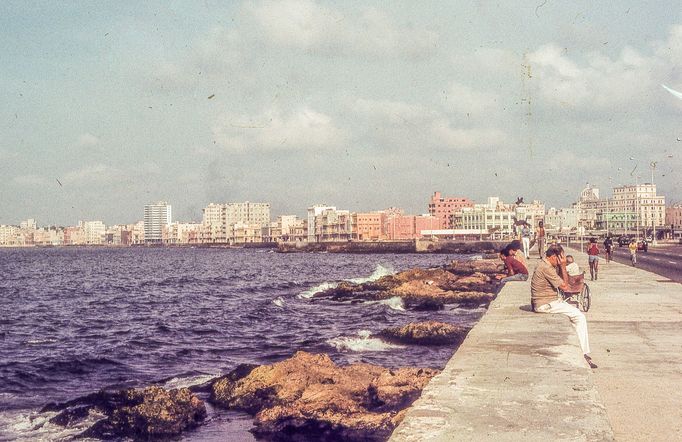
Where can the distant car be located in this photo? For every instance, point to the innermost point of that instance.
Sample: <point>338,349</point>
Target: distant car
<point>643,245</point>
<point>624,240</point>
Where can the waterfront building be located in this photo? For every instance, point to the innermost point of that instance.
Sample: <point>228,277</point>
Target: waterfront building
<point>242,233</point>
<point>368,226</point>
<point>445,208</point>
<point>156,217</point>
<point>493,217</point>
<point>332,225</point>
<point>562,220</point>
<point>407,227</point>
<point>93,232</point>
<point>643,200</point>
<point>182,233</point>
<point>673,219</point>
<point>10,236</point>
<point>313,212</point>
<point>532,213</point>
<point>48,236</point>
<point>283,229</point>
<point>218,220</point>
<point>74,236</point>
<point>29,224</point>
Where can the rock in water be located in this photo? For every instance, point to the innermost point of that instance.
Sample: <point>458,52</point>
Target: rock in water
<point>308,394</point>
<point>426,333</point>
<point>152,412</point>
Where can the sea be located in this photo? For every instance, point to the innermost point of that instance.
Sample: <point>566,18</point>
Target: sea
<point>74,321</point>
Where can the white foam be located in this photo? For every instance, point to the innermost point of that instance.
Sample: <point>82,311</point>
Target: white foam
<point>317,289</point>
<point>378,272</point>
<point>23,425</point>
<point>364,342</point>
<point>278,301</point>
<point>394,303</point>
<point>40,341</point>
<point>189,381</point>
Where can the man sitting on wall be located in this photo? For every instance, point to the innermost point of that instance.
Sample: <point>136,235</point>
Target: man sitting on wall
<point>545,299</point>
<point>516,271</point>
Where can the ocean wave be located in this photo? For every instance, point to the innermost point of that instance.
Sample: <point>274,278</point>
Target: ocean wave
<point>317,289</point>
<point>379,272</point>
<point>23,425</point>
<point>394,303</point>
<point>189,381</point>
<point>40,341</point>
<point>363,342</point>
<point>279,301</point>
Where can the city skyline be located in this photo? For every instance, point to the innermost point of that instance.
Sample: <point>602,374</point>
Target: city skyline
<point>299,102</point>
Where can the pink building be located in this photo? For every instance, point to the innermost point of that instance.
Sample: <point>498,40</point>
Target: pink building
<point>444,209</point>
<point>409,226</point>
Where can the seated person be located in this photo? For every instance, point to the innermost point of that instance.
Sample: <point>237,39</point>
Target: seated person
<point>516,271</point>
<point>515,248</point>
<point>571,266</point>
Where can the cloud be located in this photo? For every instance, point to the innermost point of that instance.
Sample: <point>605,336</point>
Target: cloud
<point>299,129</point>
<point>464,99</point>
<point>395,124</point>
<point>87,140</point>
<point>309,26</point>
<point>30,180</point>
<point>92,174</point>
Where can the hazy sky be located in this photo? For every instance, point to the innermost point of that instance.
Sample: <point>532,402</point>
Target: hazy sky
<point>362,105</point>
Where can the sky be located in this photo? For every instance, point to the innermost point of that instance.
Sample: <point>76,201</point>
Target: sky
<point>105,107</point>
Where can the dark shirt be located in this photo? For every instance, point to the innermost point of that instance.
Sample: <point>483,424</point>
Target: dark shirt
<point>516,266</point>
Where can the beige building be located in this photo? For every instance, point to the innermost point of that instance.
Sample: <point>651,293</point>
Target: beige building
<point>93,231</point>
<point>642,200</point>
<point>219,219</point>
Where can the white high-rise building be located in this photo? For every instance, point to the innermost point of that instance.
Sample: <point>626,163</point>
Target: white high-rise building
<point>94,231</point>
<point>156,217</point>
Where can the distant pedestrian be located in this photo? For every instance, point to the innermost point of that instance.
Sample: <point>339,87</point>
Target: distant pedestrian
<point>633,252</point>
<point>608,248</point>
<point>525,240</point>
<point>593,258</point>
<point>540,238</point>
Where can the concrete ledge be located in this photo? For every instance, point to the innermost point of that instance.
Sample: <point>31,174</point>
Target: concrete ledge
<point>518,375</point>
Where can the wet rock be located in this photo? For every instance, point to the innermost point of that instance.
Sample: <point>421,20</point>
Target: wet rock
<point>426,333</point>
<point>424,305</point>
<point>487,266</point>
<point>309,394</point>
<point>151,412</point>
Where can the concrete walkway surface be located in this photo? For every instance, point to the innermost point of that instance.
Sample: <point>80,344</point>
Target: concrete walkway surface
<point>521,375</point>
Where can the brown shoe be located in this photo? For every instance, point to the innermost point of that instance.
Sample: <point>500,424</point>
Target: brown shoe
<point>589,362</point>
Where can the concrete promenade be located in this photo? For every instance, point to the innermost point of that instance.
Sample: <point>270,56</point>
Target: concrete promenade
<point>521,375</point>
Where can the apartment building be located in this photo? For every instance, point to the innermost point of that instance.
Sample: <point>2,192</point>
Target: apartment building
<point>156,217</point>
<point>445,208</point>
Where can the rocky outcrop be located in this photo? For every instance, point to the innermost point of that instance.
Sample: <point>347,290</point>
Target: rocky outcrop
<point>486,266</point>
<point>463,282</point>
<point>152,412</point>
<point>308,394</point>
<point>426,333</point>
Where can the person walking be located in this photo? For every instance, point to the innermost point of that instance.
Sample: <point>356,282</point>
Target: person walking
<point>544,298</point>
<point>540,238</point>
<point>593,258</point>
<point>633,252</point>
<point>525,240</point>
<point>608,248</point>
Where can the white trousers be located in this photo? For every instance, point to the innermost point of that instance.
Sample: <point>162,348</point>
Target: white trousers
<point>576,316</point>
<point>526,246</point>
